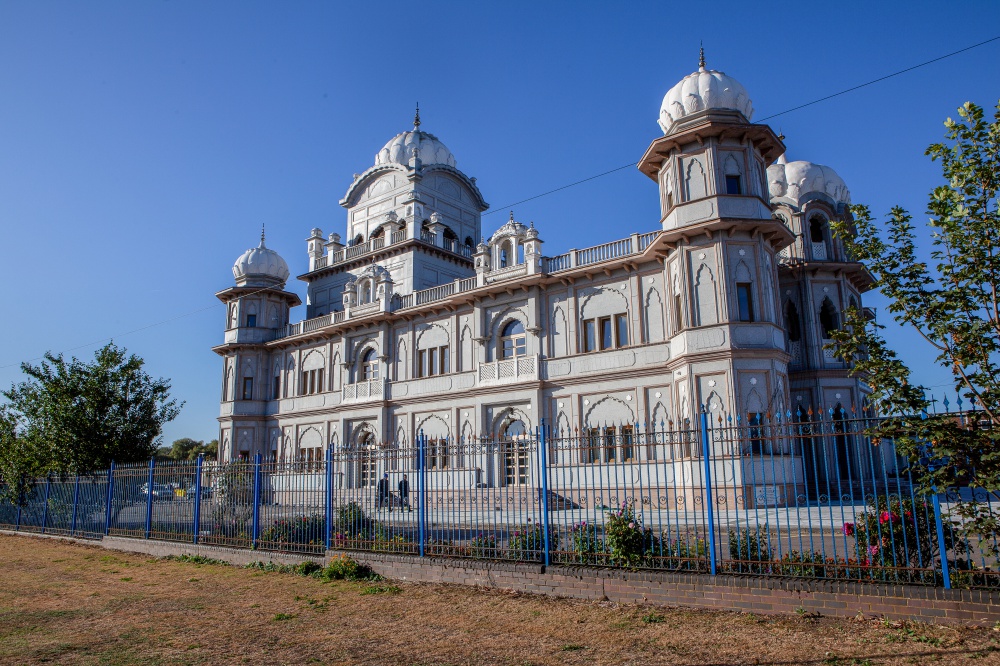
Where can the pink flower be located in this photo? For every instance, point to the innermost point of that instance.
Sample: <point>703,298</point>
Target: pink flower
<point>885,517</point>
<point>908,515</point>
<point>872,551</point>
<point>849,529</point>
<point>631,526</point>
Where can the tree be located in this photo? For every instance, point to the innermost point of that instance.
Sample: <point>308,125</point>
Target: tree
<point>954,306</point>
<point>73,417</point>
<point>188,449</point>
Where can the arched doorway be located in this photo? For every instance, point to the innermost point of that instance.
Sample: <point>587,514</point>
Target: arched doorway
<point>514,450</point>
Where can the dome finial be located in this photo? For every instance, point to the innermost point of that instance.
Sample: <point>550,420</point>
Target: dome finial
<point>781,135</point>
<point>511,216</point>
<point>701,55</point>
<point>262,234</point>
<point>416,118</point>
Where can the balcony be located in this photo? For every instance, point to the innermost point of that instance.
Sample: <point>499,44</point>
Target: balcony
<point>509,370</point>
<point>250,336</point>
<point>819,251</point>
<point>372,390</point>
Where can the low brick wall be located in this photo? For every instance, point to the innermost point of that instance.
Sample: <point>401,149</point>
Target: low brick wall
<point>733,593</point>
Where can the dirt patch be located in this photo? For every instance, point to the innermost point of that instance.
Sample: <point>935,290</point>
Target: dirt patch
<point>67,603</point>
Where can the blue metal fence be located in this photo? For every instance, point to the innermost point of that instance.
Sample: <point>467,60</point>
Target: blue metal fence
<point>807,495</point>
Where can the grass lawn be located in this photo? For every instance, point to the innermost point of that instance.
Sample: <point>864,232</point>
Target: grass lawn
<point>71,604</point>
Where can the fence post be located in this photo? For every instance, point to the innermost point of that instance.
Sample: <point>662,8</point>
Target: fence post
<point>543,462</point>
<point>20,503</point>
<point>329,496</point>
<point>76,505</point>
<point>709,501</point>
<point>421,494</point>
<point>255,528</point>
<point>110,497</point>
<point>149,499</point>
<point>196,527</point>
<point>936,504</point>
<point>45,507</point>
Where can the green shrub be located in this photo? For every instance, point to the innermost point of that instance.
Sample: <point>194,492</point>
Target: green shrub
<point>587,547</point>
<point>484,546</point>
<point>748,549</point>
<point>628,542</point>
<point>342,567</point>
<point>303,531</point>
<point>528,541</point>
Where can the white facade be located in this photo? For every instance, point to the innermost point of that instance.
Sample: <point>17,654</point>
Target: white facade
<point>420,323</point>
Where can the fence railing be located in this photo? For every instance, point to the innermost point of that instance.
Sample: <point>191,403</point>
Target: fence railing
<point>799,496</point>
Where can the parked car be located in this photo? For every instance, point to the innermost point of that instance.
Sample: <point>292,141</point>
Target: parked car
<point>161,492</point>
<point>206,492</point>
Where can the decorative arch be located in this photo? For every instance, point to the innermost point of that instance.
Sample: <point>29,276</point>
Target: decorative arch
<point>654,315</point>
<point>509,415</point>
<point>313,360</point>
<point>560,332</point>
<point>465,343</point>
<point>694,180</point>
<point>603,302</point>
<point>704,288</point>
<point>433,335</point>
<point>609,411</point>
<point>829,319</point>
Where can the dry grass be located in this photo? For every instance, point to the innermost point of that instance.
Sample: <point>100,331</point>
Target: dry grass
<point>66,603</point>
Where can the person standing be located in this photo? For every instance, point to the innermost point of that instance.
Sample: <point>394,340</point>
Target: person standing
<point>382,493</point>
<point>404,494</point>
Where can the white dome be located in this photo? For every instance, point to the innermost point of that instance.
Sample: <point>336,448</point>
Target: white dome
<point>260,262</point>
<point>795,180</point>
<point>705,89</point>
<point>400,148</point>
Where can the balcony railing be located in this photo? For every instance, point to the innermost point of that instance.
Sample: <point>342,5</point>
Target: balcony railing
<point>364,391</point>
<point>509,370</point>
<point>635,244</point>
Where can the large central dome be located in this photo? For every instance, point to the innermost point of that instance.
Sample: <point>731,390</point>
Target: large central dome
<point>704,89</point>
<point>400,149</point>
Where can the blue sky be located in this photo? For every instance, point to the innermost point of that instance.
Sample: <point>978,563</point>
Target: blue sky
<point>142,144</point>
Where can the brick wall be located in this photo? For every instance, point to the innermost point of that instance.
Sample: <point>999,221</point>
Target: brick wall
<point>741,593</point>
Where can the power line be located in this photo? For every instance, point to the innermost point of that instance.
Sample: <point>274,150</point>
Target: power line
<point>558,189</point>
<point>773,115</point>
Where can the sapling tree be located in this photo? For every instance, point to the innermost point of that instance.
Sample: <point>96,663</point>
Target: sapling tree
<point>952,301</point>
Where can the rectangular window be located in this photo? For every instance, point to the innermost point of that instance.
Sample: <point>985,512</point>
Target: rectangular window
<point>432,361</point>
<point>733,185</point>
<point>589,336</point>
<point>251,320</point>
<point>422,363</point>
<point>607,341</point>
<point>627,450</point>
<point>277,386</point>
<point>678,313</point>
<point>744,298</point>
<point>609,445</point>
<point>445,361</point>
<point>621,329</point>
<point>248,388</point>
<point>319,380</point>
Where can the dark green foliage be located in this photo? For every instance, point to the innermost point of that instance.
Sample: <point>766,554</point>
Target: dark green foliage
<point>188,449</point>
<point>74,417</point>
<point>952,304</point>
<point>528,541</point>
<point>304,530</point>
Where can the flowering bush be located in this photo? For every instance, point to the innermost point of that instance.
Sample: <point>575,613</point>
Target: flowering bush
<point>682,554</point>
<point>628,542</point>
<point>585,543</point>
<point>484,546</point>
<point>896,533</point>
<point>352,523</point>
<point>527,541</point>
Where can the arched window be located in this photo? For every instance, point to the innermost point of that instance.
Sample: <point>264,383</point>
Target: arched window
<point>513,340</point>
<point>514,442</point>
<point>365,292</point>
<point>828,319</point>
<point>816,229</point>
<point>369,366</point>
<point>468,242</point>
<point>792,323</point>
<point>449,234</point>
<point>503,256</point>
<point>367,466</point>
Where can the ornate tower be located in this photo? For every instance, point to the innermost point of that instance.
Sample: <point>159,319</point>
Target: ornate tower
<point>256,309</point>
<point>727,342</point>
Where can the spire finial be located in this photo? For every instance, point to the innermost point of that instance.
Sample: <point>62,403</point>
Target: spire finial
<point>701,55</point>
<point>416,118</point>
<point>511,216</point>
<point>781,135</point>
<point>262,234</point>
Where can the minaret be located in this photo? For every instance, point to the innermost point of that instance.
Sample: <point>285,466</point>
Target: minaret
<point>710,165</point>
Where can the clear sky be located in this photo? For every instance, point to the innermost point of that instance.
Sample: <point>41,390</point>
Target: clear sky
<point>143,144</point>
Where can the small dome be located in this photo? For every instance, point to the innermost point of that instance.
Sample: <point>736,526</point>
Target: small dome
<point>260,264</point>
<point>796,180</point>
<point>400,149</point>
<point>704,89</point>
<point>511,228</point>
